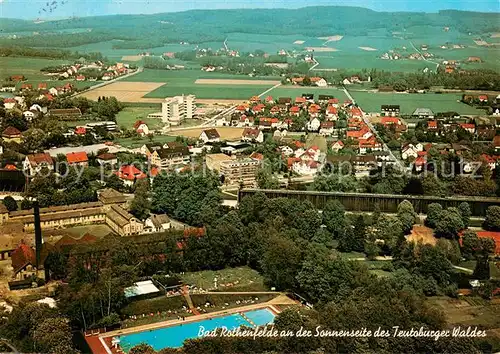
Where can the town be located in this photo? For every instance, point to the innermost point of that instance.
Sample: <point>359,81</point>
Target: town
<point>147,196</point>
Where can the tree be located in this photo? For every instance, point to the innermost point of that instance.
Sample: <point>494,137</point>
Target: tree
<point>352,239</point>
<point>142,349</point>
<point>52,335</point>
<point>265,180</point>
<point>492,220</point>
<point>449,223</point>
<point>10,203</point>
<point>406,215</point>
<point>390,230</point>
<point>433,214</point>
<point>334,216</point>
<point>33,139</point>
<point>281,262</point>
<point>480,249</point>
<point>140,205</point>
<point>465,213</point>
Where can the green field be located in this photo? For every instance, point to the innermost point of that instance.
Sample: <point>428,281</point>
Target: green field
<point>30,68</point>
<point>183,82</point>
<point>297,91</point>
<point>241,279</point>
<point>129,115</point>
<point>371,102</point>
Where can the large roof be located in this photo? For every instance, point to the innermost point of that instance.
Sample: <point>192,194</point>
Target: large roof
<point>22,256</point>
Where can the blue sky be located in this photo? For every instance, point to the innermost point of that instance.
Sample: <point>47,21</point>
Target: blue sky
<point>30,9</point>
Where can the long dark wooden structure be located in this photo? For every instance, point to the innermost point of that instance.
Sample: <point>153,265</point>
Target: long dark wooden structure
<point>366,201</point>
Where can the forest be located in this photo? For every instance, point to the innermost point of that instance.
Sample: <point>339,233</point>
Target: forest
<point>198,26</point>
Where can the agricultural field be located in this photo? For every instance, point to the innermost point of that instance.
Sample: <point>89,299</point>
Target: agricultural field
<point>124,91</point>
<point>203,85</point>
<point>297,91</point>
<point>371,102</point>
<point>30,68</point>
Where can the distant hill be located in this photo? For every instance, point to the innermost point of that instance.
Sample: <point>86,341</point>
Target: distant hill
<point>197,26</point>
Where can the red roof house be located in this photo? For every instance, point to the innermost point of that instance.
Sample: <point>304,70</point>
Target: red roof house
<point>77,158</point>
<point>130,173</point>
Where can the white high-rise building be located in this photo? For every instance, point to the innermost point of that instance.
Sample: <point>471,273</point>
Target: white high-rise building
<point>176,109</point>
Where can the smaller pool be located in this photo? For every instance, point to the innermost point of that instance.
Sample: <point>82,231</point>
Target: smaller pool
<point>174,336</point>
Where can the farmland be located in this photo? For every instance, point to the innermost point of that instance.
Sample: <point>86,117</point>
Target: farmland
<point>371,102</point>
<point>209,85</point>
<point>30,68</point>
<point>124,91</point>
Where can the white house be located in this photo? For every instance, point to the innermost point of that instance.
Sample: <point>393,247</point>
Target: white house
<point>346,82</point>
<point>157,223</point>
<point>210,136</point>
<point>332,113</point>
<point>313,124</point>
<point>286,150</point>
<point>252,134</point>
<point>326,128</point>
<point>411,150</point>
<point>321,83</point>
<point>141,128</point>
<point>337,146</point>
<point>305,168</point>
<point>29,115</point>
<point>9,103</point>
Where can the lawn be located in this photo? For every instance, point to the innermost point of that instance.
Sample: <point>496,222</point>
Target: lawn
<point>133,143</point>
<point>317,140</point>
<point>371,102</point>
<point>229,279</point>
<point>96,230</point>
<point>494,270</point>
<point>297,91</point>
<point>129,115</point>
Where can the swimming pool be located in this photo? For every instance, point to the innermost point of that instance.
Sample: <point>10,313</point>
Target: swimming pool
<point>174,336</point>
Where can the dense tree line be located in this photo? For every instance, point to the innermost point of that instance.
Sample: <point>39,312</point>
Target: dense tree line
<point>17,51</point>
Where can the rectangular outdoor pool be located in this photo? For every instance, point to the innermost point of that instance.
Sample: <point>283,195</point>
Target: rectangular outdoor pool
<point>174,336</point>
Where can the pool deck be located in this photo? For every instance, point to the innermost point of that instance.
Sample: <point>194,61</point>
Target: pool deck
<point>101,343</point>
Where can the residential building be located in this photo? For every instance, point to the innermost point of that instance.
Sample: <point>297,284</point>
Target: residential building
<point>141,128</point>
<point>337,145</point>
<point>252,135</point>
<point>77,159</point>
<point>34,163</point>
<point>210,136</point>
<point>313,124</point>
<point>11,134</point>
<point>175,109</point>
<point>129,174</point>
<point>423,113</point>
<point>165,158</point>
<point>240,171</point>
<point>157,223</point>
<point>390,110</point>
<point>122,222</point>
<point>9,103</point>
<point>23,260</point>
<point>326,128</point>
<point>107,159</point>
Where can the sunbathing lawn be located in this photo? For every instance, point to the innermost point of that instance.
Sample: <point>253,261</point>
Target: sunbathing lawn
<point>129,115</point>
<point>242,278</point>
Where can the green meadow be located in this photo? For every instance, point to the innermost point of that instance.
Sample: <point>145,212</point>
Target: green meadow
<point>371,102</point>
<point>292,92</point>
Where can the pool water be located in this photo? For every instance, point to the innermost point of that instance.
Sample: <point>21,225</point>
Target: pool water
<point>174,336</point>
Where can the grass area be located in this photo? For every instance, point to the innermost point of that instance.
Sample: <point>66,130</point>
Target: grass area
<point>129,115</point>
<point>317,140</point>
<point>229,279</point>
<point>297,91</point>
<point>380,273</point>
<point>471,264</point>
<point>147,306</point>
<point>371,102</point>
<point>224,302</point>
<point>133,143</point>
<point>96,230</point>
<point>353,255</point>
<point>469,311</point>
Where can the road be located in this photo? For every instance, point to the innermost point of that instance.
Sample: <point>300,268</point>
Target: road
<point>101,84</point>
<point>425,59</point>
<point>372,128</point>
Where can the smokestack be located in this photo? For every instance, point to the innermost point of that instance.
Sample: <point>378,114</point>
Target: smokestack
<point>38,233</point>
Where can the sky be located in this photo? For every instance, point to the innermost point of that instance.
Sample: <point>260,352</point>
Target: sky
<point>33,9</point>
